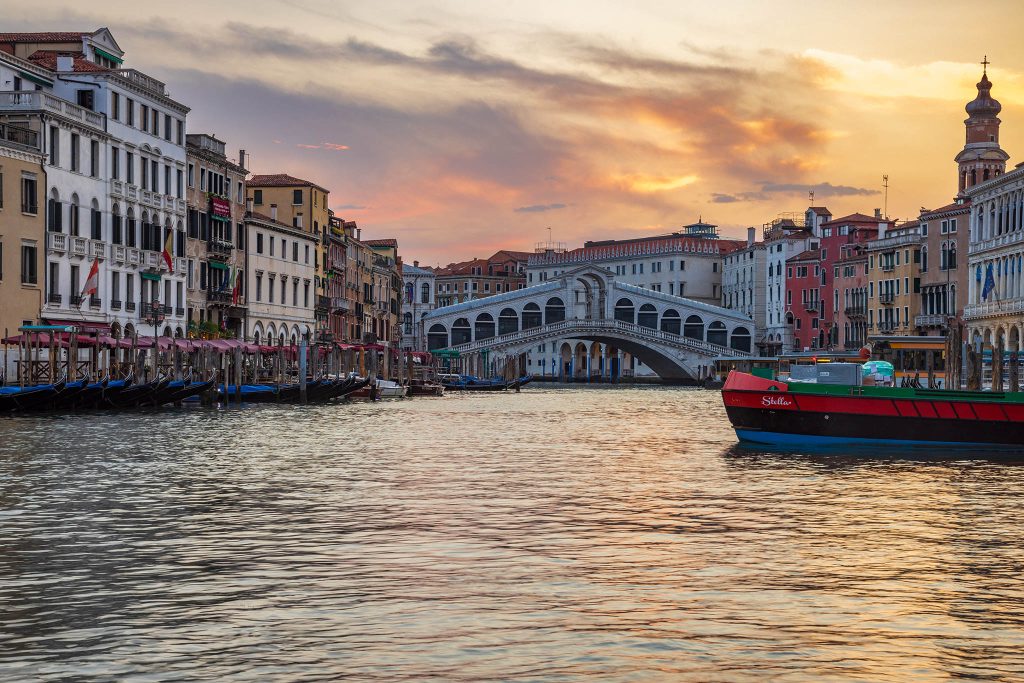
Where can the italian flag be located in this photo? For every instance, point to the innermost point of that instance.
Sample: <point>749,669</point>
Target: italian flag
<point>92,283</point>
<point>168,247</point>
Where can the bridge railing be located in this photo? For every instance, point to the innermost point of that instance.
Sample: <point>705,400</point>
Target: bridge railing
<point>583,326</point>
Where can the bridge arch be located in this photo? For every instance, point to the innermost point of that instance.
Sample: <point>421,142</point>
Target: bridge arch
<point>717,333</point>
<point>437,337</point>
<point>483,327</point>
<point>740,339</point>
<point>531,316</point>
<point>625,310</point>
<point>694,327</point>
<point>462,333</point>
<point>648,316</point>
<point>671,322</point>
<point>554,310</point>
<point>508,321</point>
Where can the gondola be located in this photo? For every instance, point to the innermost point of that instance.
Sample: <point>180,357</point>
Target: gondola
<point>29,398</point>
<point>91,394</point>
<point>137,394</point>
<point>182,390</point>
<point>251,393</point>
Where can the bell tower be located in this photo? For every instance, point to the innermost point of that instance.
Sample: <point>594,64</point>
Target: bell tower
<point>981,158</point>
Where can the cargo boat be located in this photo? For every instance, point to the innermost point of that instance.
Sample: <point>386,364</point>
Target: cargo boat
<point>793,414</point>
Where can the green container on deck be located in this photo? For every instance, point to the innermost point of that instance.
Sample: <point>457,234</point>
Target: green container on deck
<point>763,373</point>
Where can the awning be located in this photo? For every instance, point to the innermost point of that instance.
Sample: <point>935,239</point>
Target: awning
<point>151,276</point>
<point>217,265</point>
<point>919,346</point>
<point>83,325</point>
<point>104,53</point>
<point>38,80</point>
<point>225,219</point>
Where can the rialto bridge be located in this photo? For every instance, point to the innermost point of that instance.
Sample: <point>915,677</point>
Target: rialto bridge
<point>593,323</point>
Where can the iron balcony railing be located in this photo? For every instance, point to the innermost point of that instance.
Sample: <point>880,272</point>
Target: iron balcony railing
<point>886,297</point>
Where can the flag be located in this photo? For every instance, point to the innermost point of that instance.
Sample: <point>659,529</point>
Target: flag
<point>226,280</point>
<point>92,283</point>
<point>990,284</point>
<point>236,287</point>
<point>167,253</point>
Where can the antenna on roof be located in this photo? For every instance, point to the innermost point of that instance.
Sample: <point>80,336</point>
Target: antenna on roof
<point>810,197</point>
<point>885,201</point>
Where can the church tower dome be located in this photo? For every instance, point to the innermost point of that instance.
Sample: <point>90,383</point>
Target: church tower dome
<point>981,158</point>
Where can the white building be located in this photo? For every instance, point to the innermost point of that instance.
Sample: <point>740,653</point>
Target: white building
<point>115,142</point>
<point>280,271</point>
<point>995,314</point>
<point>743,282</point>
<point>418,300</point>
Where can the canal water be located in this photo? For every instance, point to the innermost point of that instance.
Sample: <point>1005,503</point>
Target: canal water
<point>546,536</point>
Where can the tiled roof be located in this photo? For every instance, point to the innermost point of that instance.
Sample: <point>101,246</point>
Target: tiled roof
<point>820,210</point>
<point>47,59</point>
<point>809,255</point>
<point>964,206</point>
<point>52,37</point>
<point>387,242</point>
<point>280,180</point>
<point>517,255</point>
<point>267,219</point>
<point>855,218</point>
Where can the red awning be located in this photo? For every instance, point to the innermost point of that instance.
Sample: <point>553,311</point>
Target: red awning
<point>82,325</point>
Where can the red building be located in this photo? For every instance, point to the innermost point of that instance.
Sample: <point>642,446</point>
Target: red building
<point>811,304</point>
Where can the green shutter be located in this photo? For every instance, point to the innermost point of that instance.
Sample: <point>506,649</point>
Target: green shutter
<point>104,53</point>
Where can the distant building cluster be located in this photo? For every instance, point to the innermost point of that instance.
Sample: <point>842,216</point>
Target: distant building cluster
<point>117,219</point>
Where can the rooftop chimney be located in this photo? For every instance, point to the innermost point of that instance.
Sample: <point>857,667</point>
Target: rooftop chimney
<point>878,213</point>
<point>750,236</point>
<point>248,205</point>
<point>416,264</point>
<point>65,63</point>
<point>273,211</point>
<point>241,158</point>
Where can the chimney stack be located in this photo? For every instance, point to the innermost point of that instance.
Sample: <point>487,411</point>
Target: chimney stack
<point>878,213</point>
<point>241,158</point>
<point>248,205</point>
<point>416,264</point>
<point>65,63</point>
<point>273,211</point>
<point>751,233</point>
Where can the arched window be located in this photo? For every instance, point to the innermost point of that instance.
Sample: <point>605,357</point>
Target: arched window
<point>95,218</point>
<point>648,316</point>
<point>952,255</point>
<point>115,225</point>
<point>717,333</point>
<point>531,316</point>
<point>741,339</point>
<point>54,212</point>
<point>407,319</point>
<point>74,216</point>
<point>425,293</point>
<point>625,311</point>
<point>670,322</point>
<point>437,337</point>
<point>508,321</point>
<point>694,328</point>
<point>554,310</point>
<point>130,231</point>
<point>462,333</point>
<point>483,327</point>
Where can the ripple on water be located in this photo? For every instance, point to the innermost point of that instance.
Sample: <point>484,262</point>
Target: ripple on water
<point>544,536</point>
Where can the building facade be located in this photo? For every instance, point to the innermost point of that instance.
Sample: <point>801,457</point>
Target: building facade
<point>418,300</point>
<point>504,271</point>
<point>744,287</point>
<point>851,296</point>
<point>280,281</point>
<point>894,284</point>
<point>943,273</point>
<point>215,241</point>
<point>22,232</point>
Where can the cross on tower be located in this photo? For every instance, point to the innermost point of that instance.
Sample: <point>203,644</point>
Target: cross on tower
<point>985,63</point>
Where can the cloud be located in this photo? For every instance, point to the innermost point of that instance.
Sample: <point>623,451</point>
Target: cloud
<point>770,190</point>
<point>539,208</point>
<point>350,207</point>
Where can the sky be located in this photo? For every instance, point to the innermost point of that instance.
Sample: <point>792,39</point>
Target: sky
<point>463,127</point>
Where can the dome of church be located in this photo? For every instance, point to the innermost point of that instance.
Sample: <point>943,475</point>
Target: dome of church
<point>983,105</point>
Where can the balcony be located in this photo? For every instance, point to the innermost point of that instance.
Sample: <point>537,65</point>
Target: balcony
<point>812,306</point>
<point>57,242</point>
<point>38,100</point>
<point>218,297</point>
<point>340,304</point>
<point>141,80</point>
<point>154,310</point>
<point>97,249</point>
<point>856,311</point>
<point>181,265</point>
<point>886,327</point>
<point>888,267</point>
<point>1004,240</point>
<point>134,256</point>
<point>129,306</point>
<point>95,303</point>
<point>79,246</point>
<point>179,311</point>
<point>74,300</point>
<point>886,298</point>
<point>54,299</point>
<point>120,254</point>
<point>220,249</point>
<point>23,137</point>
<point>115,304</point>
<point>930,320</point>
<point>993,308</point>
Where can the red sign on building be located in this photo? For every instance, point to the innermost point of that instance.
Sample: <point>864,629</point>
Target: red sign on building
<point>220,207</point>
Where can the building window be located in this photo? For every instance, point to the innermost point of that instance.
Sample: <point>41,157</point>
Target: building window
<point>257,197</point>
<point>29,196</point>
<point>129,168</point>
<point>29,276</point>
<point>54,146</point>
<point>296,197</point>
<point>259,243</point>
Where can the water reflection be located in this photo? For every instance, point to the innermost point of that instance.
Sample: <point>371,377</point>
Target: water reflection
<point>545,536</point>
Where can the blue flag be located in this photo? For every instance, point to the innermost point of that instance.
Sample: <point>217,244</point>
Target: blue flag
<point>990,283</point>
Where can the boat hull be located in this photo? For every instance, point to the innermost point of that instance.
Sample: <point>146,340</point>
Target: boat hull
<point>766,413</point>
